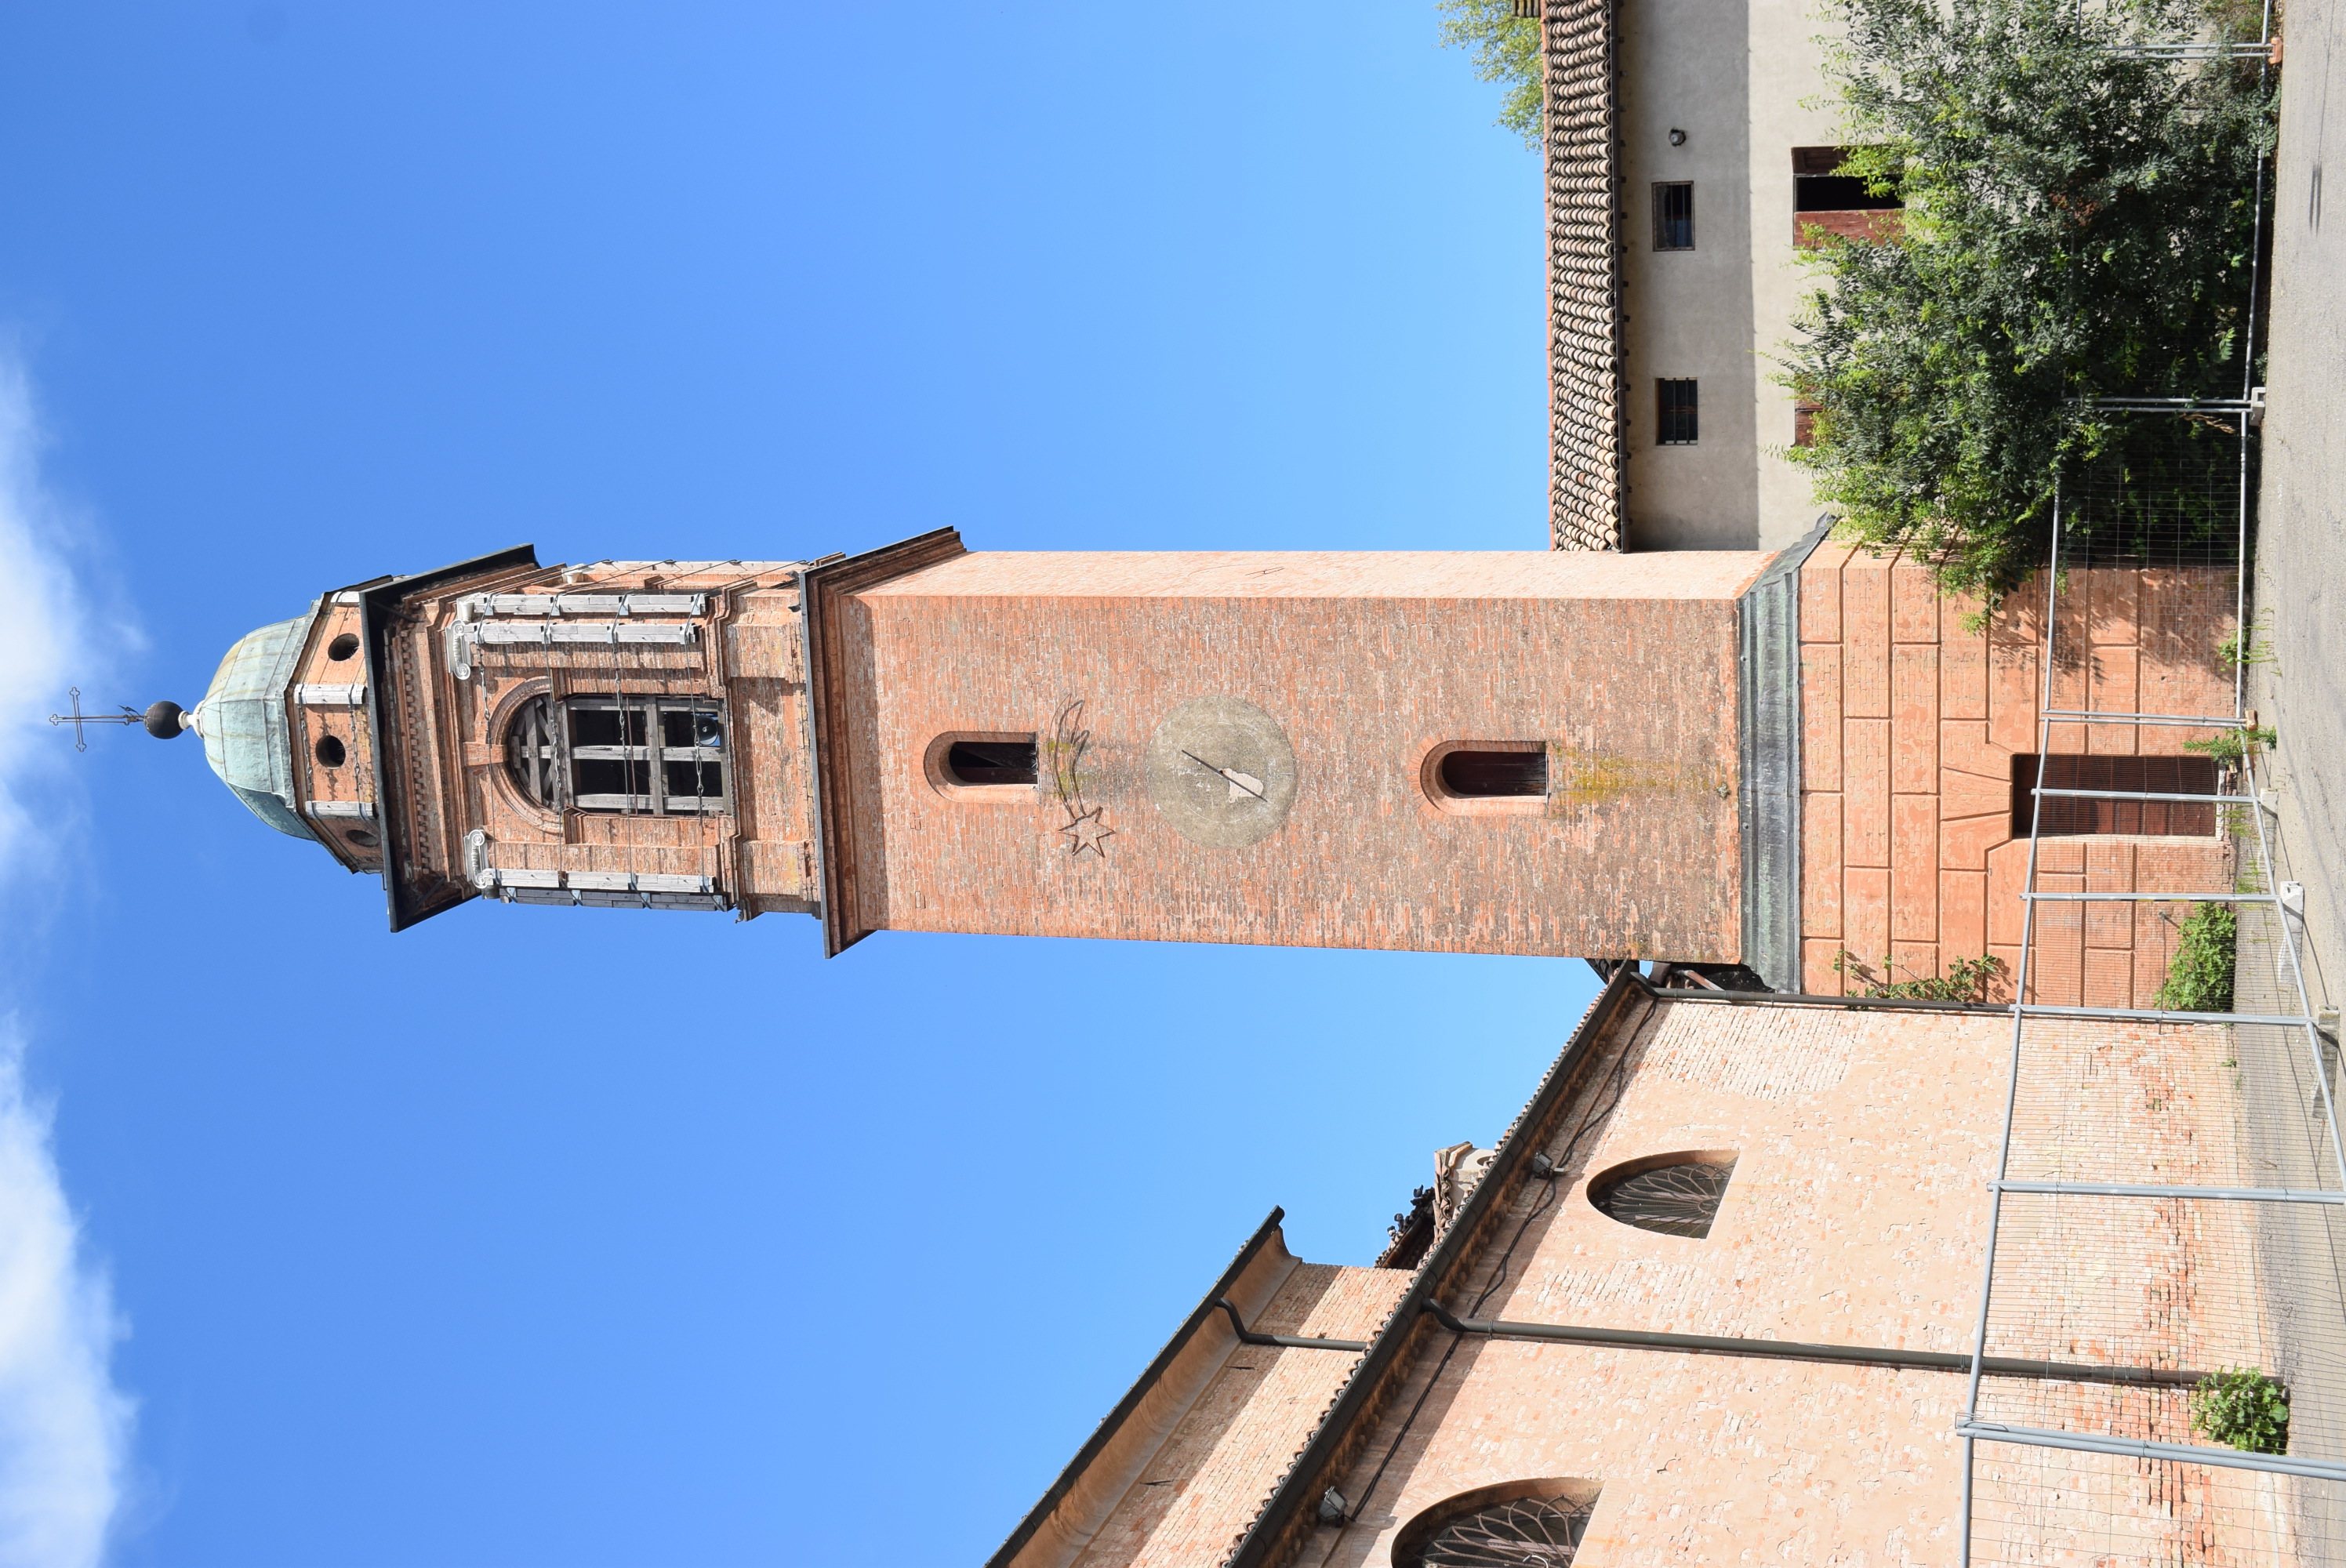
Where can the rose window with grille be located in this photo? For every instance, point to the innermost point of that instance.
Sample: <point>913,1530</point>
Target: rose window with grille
<point>1680,1198</point>
<point>1526,1532</point>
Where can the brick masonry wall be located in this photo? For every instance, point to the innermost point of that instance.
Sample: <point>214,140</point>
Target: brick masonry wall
<point>1856,1215</point>
<point>1625,665</point>
<point>1205,1485</point>
<point>1910,726</point>
<point>1869,224</point>
<point>746,657</point>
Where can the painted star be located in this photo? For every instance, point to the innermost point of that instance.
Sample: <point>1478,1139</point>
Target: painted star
<point>1088,830</point>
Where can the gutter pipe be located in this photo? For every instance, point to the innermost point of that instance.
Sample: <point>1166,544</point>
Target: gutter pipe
<point>1726,1344</point>
<point>1287,1342</point>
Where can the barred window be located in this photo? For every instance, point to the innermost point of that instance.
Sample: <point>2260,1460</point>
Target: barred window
<point>1674,215</point>
<point>1674,411</point>
<point>663,756</point>
<point>1515,1524</point>
<point>2068,814</point>
<point>1678,1197</point>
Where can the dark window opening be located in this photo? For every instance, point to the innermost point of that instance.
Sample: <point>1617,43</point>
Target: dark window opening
<point>330,752</point>
<point>1674,216</point>
<point>596,754</point>
<point>2065,814</point>
<point>992,761</point>
<point>1816,188</point>
<point>1675,413</point>
<point>1482,774</point>
<point>1839,193</point>
<point>341,648</point>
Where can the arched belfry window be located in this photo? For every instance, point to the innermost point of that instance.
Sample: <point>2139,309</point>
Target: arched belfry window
<point>997,766</point>
<point>992,761</point>
<point>1515,1524</point>
<point>1671,1195</point>
<point>662,756</point>
<point>1486,775</point>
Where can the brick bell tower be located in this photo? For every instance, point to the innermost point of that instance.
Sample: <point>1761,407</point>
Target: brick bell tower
<point>1522,752</point>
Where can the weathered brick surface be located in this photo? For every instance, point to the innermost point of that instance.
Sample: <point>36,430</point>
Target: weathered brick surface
<point>1915,718</point>
<point>1625,663</point>
<point>1210,1477</point>
<point>1855,1216</point>
<point>1865,638</point>
<point>1911,723</point>
<point>1962,913</point>
<point>1963,661</point>
<point>1821,717</point>
<point>453,774</point>
<point>1865,912</point>
<point>1914,868</point>
<point>1821,889</point>
<point>1865,791</point>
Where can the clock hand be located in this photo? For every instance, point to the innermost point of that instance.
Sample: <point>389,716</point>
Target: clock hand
<point>1246,783</point>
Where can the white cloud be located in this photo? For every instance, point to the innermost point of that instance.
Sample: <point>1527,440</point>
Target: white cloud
<point>65,1428</point>
<point>42,629</point>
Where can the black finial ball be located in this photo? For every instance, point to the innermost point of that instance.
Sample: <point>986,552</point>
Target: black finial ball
<point>163,720</point>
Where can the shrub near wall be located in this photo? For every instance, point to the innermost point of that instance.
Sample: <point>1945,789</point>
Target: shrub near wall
<point>2079,224</point>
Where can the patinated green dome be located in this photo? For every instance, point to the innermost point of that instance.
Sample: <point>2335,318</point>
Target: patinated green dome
<point>242,721</point>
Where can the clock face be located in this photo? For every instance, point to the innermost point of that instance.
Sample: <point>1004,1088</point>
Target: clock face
<point>1222,772</point>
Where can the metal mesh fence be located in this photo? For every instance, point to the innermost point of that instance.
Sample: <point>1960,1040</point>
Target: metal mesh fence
<point>2176,1288</point>
<point>2166,491</point>
<point>2043,1506</point>
<point>2201,1106</point>
<point>2165,1209</point>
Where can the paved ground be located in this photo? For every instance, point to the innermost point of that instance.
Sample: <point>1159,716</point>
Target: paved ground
<point>2299,586</point>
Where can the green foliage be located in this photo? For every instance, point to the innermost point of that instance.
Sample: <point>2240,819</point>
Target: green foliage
<point>1506,51</point>
<point>2234,744</point>
<point>2078,224</point>
<point>2243,1408</point>
<point>2243,648</point>
<point>2200,976</point>
<point>1966,979</point>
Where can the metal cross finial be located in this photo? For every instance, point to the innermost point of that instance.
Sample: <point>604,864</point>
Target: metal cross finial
<point>77,718</point>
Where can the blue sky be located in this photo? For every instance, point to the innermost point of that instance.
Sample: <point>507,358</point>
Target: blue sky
<point>586,1238</point>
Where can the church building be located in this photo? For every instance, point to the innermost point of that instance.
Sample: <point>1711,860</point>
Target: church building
<point>1720,1294</point>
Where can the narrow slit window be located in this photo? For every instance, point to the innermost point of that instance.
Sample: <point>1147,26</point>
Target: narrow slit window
<point>1675,413</point>
<point>2066,815</point>
<point>992,761</point>
<point>1488,774</point>
<point>1674,215</point>
<point>662,756</point>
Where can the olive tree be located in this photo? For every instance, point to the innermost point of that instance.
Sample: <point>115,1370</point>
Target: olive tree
<point>1506,50</point>
<point>2079,223</point>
